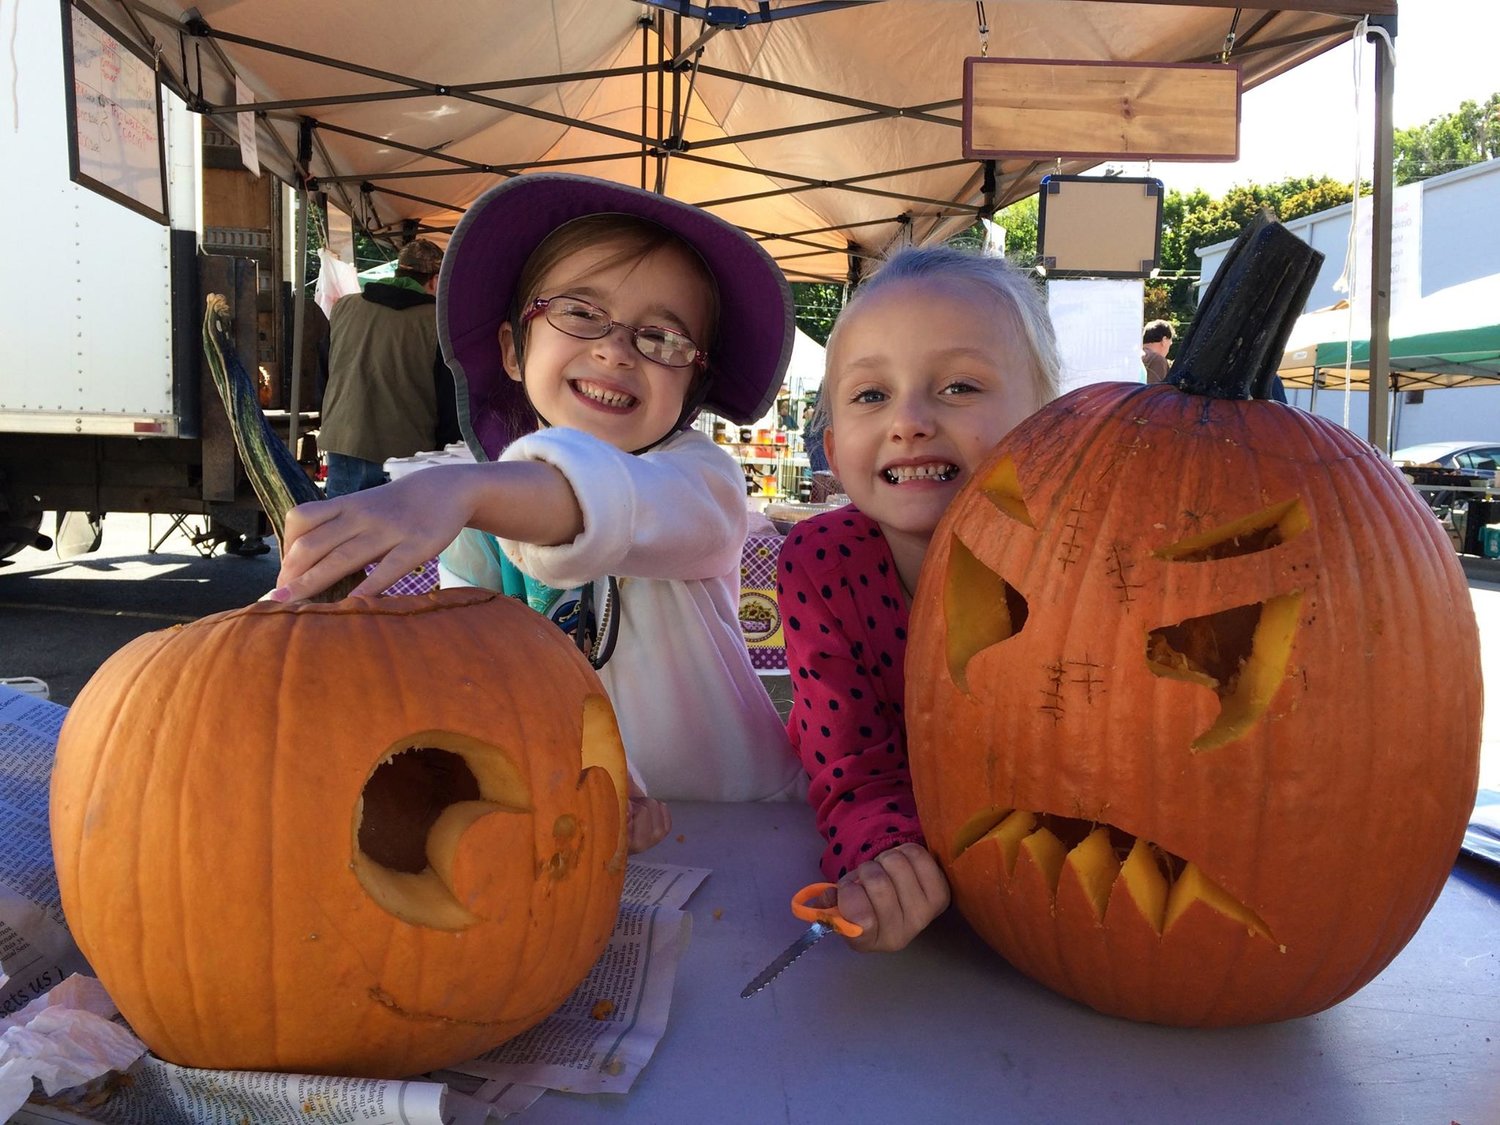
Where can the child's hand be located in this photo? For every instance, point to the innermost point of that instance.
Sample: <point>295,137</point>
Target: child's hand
<point>398,526</point>
<point>650,821</point>
<point>893,896</point>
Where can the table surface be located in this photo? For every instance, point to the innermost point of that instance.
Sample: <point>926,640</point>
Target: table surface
<point>946,1030</point>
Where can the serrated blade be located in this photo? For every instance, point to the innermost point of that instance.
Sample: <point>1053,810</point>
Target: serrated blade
<point>815,933</point>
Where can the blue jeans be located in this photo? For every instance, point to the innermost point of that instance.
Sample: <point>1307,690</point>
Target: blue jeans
<point>351,474</point>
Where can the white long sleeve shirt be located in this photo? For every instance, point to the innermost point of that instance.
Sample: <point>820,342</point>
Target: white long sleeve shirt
<point>670,524</point>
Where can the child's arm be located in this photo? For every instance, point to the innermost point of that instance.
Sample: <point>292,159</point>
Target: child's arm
<point>677,512</point>
<point>846,721</point>
<point>894,897</point>
<point>402,525</point>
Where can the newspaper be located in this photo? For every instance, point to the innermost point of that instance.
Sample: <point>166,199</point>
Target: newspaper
<point>56,1047</point>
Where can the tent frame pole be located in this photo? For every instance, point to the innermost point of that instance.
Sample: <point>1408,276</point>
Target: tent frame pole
<point>1382,33</point>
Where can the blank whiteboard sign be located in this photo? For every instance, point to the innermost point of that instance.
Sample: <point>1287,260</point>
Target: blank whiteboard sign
<point>1051,108</point>
<point>1099,226</point>
<point>114,115</point>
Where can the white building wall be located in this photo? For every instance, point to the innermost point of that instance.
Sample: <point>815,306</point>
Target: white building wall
<point>1460,241</point>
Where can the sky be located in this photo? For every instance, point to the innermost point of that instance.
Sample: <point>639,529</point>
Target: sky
<point>1306,122</point>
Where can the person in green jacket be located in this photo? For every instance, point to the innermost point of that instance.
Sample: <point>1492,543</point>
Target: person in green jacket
<point>389,392</point>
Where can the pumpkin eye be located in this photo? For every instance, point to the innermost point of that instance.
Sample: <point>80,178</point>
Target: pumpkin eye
<point>1001,486</point>
<point>402,801</point>
<point>1259,531</point>
<point>981,608</point>
<point>442,822</point>
<point>1240,653</point>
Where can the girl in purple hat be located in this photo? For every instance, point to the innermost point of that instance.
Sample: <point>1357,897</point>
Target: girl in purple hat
<point>586,324</point>
<point>931,363</point>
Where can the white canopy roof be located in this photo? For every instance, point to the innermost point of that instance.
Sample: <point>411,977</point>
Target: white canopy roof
<point>830,128</point>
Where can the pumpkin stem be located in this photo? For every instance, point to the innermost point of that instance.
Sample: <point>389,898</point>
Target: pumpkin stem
<point>1239,333</point>
<point>279,482</point>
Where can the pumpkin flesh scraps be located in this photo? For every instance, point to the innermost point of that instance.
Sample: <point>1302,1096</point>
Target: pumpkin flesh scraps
<point>1103,859</point>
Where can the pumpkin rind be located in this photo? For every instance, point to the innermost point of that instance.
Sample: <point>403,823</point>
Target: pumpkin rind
<point>206,807</point>
<point>1321,806</point>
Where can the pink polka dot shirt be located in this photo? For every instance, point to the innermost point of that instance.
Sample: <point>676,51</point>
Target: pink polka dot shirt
<point>844,616</point>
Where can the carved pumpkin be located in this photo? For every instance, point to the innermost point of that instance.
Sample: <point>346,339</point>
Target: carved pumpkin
<point>371,837</point>
<point>1194,705</point>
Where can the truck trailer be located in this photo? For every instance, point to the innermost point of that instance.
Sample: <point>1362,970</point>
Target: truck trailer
<point>126,209</point>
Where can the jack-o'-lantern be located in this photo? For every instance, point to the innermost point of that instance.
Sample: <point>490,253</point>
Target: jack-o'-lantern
<point>1194,702</point>
<point>371,837</point>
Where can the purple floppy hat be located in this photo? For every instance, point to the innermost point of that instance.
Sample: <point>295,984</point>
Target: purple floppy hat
<point>500,231</point>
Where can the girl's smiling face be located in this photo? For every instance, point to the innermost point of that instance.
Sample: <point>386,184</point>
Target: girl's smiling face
<point>924,377</point>
<point>605,387</point>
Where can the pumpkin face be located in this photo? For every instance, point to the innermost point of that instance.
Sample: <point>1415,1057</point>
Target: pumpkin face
<point>1194,705</point>
<point>368,838</point>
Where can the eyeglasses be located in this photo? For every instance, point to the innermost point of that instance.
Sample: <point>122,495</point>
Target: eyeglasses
<point>583,321</point>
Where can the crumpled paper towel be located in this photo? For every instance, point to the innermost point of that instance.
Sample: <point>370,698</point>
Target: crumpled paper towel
<point>65,1038</point>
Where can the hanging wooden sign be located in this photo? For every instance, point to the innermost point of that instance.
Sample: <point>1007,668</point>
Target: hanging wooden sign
<point>1051,109</point>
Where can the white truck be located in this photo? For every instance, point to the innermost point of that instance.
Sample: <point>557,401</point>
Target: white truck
<point>125,208</point>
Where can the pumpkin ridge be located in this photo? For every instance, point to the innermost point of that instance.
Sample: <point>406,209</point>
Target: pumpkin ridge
<point>180,851</point>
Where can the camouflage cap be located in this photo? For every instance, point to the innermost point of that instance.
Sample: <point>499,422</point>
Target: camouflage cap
<point>420,256</point>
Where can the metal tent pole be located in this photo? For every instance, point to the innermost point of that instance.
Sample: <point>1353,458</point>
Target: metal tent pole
<point>1382,30</point>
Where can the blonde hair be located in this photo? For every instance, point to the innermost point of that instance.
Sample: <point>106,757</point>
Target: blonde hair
<point>1010,289</point>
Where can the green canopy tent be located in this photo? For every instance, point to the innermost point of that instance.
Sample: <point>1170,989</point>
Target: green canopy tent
<point>1461,357</point>
<point>1449,338</point>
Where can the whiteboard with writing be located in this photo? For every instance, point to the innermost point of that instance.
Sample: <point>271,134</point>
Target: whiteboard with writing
<point>114,121</point>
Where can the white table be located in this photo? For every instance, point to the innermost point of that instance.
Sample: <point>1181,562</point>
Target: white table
<point>947,1031</point>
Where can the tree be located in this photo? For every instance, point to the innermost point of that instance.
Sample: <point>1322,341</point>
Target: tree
<point>367,252</point>
<point>818,304</point>
<point>1455,140</point>
<point>1192,221</point>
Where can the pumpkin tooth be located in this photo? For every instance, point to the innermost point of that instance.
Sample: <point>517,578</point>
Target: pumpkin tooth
<point>1096,865</point>
<point>1162,886</point>
<point>1144,884</point>
<point>976,828</point>
<point>1048,853</point>
<point>1193,886</point>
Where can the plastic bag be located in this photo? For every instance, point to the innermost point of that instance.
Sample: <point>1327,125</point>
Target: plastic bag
<point>336,279</point>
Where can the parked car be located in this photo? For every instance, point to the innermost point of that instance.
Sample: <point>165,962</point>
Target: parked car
<point>1466,464</point>
<point>1472,458</point>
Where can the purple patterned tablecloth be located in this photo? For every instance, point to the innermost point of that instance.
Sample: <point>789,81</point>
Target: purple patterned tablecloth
<point>760,617</point>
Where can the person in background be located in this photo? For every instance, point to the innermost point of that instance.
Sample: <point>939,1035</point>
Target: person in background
<point>1156,341</point>
<point>786,414</point>
<point>932,362</point>
<point>589,323</point>
<point>389,392</point>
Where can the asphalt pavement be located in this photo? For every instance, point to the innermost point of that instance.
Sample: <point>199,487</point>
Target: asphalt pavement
<point>61,618</point>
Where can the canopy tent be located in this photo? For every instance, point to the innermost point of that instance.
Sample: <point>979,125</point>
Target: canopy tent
<point>1450,338</point>
<point>830,129</point>
<point>804,374</point>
